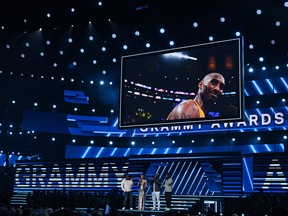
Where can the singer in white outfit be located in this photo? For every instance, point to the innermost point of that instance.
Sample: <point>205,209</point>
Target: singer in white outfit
<point>142,192</point>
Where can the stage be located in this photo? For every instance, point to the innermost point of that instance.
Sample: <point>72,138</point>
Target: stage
<point>150,212</point>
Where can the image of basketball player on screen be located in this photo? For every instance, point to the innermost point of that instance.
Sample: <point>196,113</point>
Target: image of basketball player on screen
<point>210,88</point>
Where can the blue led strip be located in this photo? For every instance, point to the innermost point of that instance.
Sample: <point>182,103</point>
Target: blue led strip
<point>253,149</point>
<point>194,180</point>
<point>113,152</point>
<point>139,153</point>
<point>257,87</point>
<point>202,189</point>
<point>180,175</point>
<point>189,177</point>
<point>99,153</point>
<point>85,153</point>
<point>284,82</point>
<point>126,153</point>
<point>184,177</point>
<point>271,86</point>
<point>247,172</point>
<point>198,185</point>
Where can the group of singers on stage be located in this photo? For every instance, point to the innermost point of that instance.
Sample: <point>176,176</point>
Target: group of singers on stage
<point>127,184</point>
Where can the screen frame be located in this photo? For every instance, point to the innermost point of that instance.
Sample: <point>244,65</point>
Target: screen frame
<point>240,117</point>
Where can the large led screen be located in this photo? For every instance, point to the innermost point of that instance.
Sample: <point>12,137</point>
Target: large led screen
<point>193,84</point>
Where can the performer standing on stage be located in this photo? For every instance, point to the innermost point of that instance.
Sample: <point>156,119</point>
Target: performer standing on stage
<point>168,191</point>
<point>156,184</point>
<point>126,186</point>
<point>142,192</point>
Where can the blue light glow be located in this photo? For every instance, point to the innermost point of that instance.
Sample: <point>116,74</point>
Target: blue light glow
<point>247,171</point>
<point>99,153</point>
<point>284,82</point>
<point>139,153</point>
<point>113,151</point>
<point>178,176</point>
<point>126,153</point>
<point>257,87</point>
<point>268,148</point>
<point>253,149</point>
<point>271,86</point>
<point>86,152</point>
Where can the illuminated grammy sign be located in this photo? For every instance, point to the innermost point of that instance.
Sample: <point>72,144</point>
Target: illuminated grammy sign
<point>262,120</point>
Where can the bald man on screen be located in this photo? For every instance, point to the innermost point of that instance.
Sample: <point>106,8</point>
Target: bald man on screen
<point>210,89</point>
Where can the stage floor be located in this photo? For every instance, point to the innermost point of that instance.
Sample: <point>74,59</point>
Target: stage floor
<point>150,212</point>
